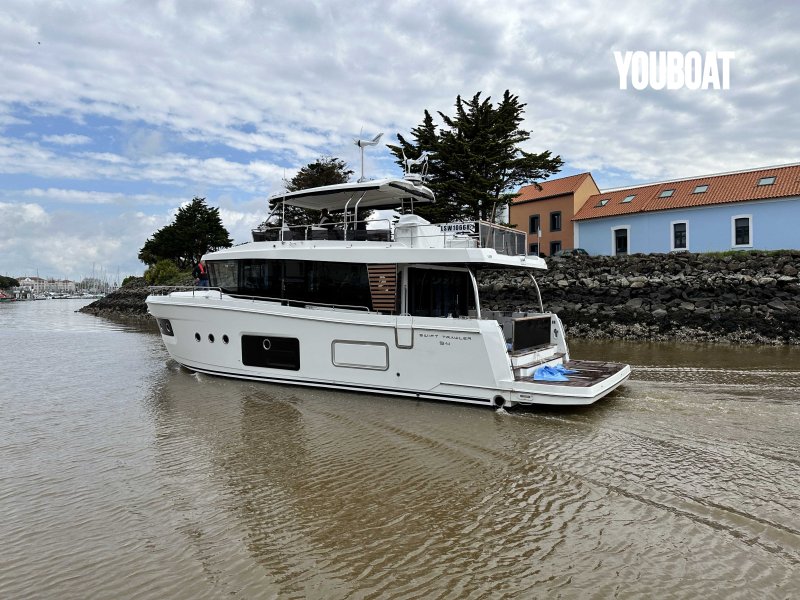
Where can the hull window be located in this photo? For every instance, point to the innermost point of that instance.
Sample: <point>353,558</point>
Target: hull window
<point>271,352</point>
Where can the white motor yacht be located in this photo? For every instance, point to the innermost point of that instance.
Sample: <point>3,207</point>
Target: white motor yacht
<point>372,305</point>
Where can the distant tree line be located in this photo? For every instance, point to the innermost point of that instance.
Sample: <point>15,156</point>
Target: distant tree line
<point>8,282</point>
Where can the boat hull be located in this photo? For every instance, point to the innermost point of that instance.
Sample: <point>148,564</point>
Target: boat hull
<point>462,360</point>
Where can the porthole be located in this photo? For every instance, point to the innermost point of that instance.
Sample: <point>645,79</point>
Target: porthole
<point>197,337</point>
<point>266,344</point>
<point>225,339</point>
<point>211,337</point>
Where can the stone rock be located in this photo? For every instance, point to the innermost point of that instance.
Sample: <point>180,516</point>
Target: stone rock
<point>777,305</point>
<point>634,303</point>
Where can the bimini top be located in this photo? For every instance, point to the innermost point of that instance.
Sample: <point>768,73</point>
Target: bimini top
<point>378,194</point>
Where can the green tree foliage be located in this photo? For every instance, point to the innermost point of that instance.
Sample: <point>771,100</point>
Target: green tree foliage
<point>8,282</point>
<point>476,163</point>
<point>197,229</point>
<point>131,280</point>
<point>326,170</point>
<point>165,272</point>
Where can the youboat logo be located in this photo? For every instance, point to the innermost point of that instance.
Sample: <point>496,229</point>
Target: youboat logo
<point>667,69</point>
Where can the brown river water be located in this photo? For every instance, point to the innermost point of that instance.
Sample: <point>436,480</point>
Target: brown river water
<point>124,476</point>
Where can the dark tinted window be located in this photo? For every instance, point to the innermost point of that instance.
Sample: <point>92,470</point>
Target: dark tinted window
<point>742,227</point>
<point>555,221</point>
<point>300,280</point>
<point>438,293</point>
<point>620,241</point>
<point>679,235</point>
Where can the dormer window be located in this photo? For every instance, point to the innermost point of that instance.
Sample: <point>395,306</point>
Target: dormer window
<point>666,193</point>
<point>627,199</point>
<point>766,180</point>
<point>700,189</point>
<point>602,202</point>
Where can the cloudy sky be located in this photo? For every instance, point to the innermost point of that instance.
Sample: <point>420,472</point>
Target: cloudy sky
<point>114,113</point>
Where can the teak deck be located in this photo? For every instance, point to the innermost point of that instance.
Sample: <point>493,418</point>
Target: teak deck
<point>589,373</point>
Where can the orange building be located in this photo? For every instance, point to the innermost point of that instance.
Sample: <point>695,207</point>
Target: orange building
<point>545,211</point>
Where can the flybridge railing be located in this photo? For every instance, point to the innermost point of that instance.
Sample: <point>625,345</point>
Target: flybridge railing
<point>503,240</point>
<point>379,231</point>
<point>462,234</point>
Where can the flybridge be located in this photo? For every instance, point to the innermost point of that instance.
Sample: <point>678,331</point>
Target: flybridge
<point>347,201</point>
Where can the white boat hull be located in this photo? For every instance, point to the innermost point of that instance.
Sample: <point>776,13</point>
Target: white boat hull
<point>463,360</point>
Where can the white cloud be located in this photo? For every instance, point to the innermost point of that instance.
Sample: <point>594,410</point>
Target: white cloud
<point>147,107</point>
<point>70,139</point>
<point>12,214</point>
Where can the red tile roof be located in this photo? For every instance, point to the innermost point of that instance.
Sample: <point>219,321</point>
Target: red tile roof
<point>722,189</point>
<point>556,187</point>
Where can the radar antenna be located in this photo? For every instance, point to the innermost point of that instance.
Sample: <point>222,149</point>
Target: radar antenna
<point>412,162</point>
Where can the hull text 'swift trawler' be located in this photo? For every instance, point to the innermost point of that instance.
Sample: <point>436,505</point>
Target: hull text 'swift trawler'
<point>375,306</point>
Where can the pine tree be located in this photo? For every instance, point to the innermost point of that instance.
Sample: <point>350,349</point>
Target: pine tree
<point>197,229</point>
<point>476,163</point>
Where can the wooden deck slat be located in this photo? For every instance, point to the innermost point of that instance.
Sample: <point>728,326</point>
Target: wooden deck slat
<point>588,373</point>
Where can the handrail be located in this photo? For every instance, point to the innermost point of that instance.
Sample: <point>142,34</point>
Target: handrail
<point>475,234</point>
<point>168,289</point>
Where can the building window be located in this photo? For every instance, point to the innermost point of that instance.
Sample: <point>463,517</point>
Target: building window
<point>555,221</point>
<point>602,202</point>
<point>666,193</point>
<point>555,247</point>
<point>619,240</point>
<point>742,231</point>
<point>700,189</point>
<point>766,180</point>
<point>627,199</point>
<point>534,250</point>
<point>679,232</point>
<point>533,224</point>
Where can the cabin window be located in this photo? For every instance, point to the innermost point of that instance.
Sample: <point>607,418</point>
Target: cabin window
<point>440,293</point>
<point>295,280</point>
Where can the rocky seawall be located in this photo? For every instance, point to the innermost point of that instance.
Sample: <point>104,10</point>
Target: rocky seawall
<point>747,297</point>
<point>128,302</point>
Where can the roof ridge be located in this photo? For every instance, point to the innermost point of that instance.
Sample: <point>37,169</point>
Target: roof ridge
<point>722,174</point>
